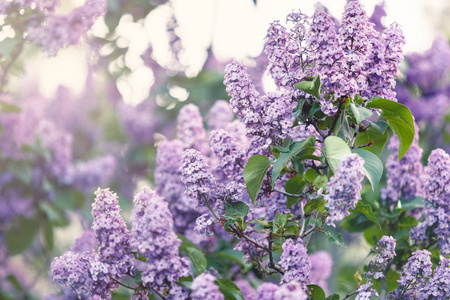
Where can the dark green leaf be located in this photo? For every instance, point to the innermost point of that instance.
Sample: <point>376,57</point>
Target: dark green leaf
<point>321,181</point>
<point>297,112</point>
<point>233,255</point>
<point>236,209</point>
<point>186,281</point>
<point>380,125</point>
<point>356,222</point>
<point>194,253</point>
<point>254,172</point>
<point>317,292</point>
<point>333,297</point>
<point>315,107</point>
<point>366,209</point>
<point>229,290</point>
<point>21,235</point>
<point>336,238</point>
<point>15,282</point>
<point>311,174</point>
<point>360,113</point>
<point>373,167</point>
<point>371,134</point>
<point>336,149</point>
<point>412,204</point>
<point>400,119</point>
<point>294,149</point>
<point>296,186</point>
<point>54,215</point>
<point>311,205</point>
<point>310,87</point>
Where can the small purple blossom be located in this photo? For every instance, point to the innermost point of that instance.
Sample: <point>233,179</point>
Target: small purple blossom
<point>321,268</point>
<point>197,176</point>
<point>266,291</point>
<point>220,115</point>
<point>438,286</point>
<point>190,129</point>
<point>343,189</point>
<point>291,291</point>
<point>296,263</point>
<point>203,287</point>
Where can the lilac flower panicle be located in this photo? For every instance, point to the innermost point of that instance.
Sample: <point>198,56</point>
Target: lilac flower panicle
<point>72,270</point>
<point>366,291</point>
<point>436,195</point>
<point>415,272</point>
<point>113,239</point>
<point>329,62</point>
<point>190,128</point>
<point>438,286</point>
<point>296,262</point>
<point>291,291</point>
<point>343,189</point>
<point>266,291</point>
<point>154,239</point>
<point>403,177</point>
<point>57,31</point>
<point>203,287</point>
<point>197,176</point>
<point>86,242</point>
<point>385,250</point>
<point>355,43</point>
<point>220,115</point>
<point>247,290</point>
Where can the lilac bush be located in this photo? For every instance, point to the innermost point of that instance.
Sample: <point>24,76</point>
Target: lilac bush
<point>251,199</point>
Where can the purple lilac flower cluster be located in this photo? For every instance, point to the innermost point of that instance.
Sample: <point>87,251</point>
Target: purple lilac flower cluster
<point>190,129</point>
<point>385,250</point>
<point>343,189</point>
<point>197,176</point>
<point>156,241</point>
<point>355,60</point>
<point>295,262</point>
<point>415,273</point>
<point>425,88</point>
<point>438,286</point>
<point>57,31</point>
<point>203,287</point>
<point>436,213</point>
<point>114,241</point>
<point>290,291</point>
<point>403,176</point>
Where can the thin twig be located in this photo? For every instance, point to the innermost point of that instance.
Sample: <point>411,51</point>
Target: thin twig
<point>369,144</point>
<point>289,194</point>
<point>350,294</point>
<point>302,216</point>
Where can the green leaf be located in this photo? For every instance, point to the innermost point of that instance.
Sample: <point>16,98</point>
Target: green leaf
<point>372,134</point>
<point>21,170</point>
<point>373,167</point>
<point>336,149</point>
<point>400,119</point>
<point>294,149</point>
<point>236,209</point>
<point>333,297</point>
<point>186,281</point>
<point>360,113</point>
<point>317,292</point>
<point>336,238</point>
<point>297,112</point>
<point>233,255</point>
<point>194,253</point>
<point>380,125</point>
<point>315,107</point>
<point>311,174</point>
<point>54,215</point>
<point>321,181</point>
<point>21,235</point>
<point>15,282</point>
<point>48,235</point>
<point>294,185</point>
<point>254,172</point>
<point>412,204</point>
<point>8,107</point>
<point>366,209</point>
<point>311,205</point>
<point>229,289</point>
<point>310,87</point>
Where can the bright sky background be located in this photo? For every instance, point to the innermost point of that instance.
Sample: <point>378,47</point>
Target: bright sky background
<point>235,27</point>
